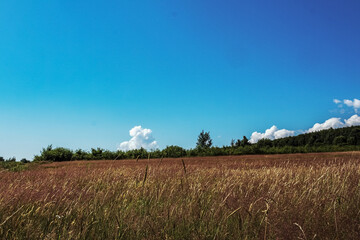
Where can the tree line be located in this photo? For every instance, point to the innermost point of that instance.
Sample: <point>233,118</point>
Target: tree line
<point>331,140</point>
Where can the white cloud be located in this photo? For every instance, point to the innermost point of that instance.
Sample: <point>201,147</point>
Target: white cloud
<point>140,138</point>
<point>336,101</point>
<point>284,133</point>
<point>353,103</point>
<point>330,123</point>
<point>353,121</point>
<point>271,133</point>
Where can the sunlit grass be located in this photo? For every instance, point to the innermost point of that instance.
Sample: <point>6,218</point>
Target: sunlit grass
<point>314,196</point>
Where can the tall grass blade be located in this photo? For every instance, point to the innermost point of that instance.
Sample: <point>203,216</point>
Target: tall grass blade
<point>145,176</point>
<point>160,161</point>
<point>183,163</point>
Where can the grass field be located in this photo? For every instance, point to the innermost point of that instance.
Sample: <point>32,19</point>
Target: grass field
<point>299,196</point>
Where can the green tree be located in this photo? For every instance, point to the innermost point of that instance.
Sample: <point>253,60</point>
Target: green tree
<point>351,140</point>
<point>244,142</point>
<point>11,159</point>
<point>232,143</point>
<point>97,153</point>
<point>174,151</point>
<point>204,140</point>
<point>80,154</point>
<point>54,155</point>
<point>264,143</point>
<point>24,160</point>
<point>339,140</point>
<point>355,133</point>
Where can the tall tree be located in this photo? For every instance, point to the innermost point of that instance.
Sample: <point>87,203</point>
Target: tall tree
<point>204,140</point>
<point>245,141</point>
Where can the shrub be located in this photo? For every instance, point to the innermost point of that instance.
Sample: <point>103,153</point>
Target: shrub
<point>80,154</point>
<point>97,153</point>
<point>54,155</point>
<point>174,151</point>
<point>12,159</point>
<point>108,155</point>
<point>24,160</point>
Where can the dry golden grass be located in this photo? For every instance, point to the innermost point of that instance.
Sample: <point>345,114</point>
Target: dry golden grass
<point>299,196</point>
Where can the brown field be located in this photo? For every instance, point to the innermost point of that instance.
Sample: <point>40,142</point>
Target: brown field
<point>290,196</point>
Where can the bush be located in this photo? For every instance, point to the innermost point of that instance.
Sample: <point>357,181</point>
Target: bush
<point>54,155</point>
<point>108,155</point>
<point>80,154</point>
<point>97,153</point>
<point>216,151</point>
<point>13,166</point>
<point>174,151</point>
<point>24,160</point>
<point>12,159</point>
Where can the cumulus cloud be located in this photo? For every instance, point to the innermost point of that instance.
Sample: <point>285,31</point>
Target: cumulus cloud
<point>353,121</point>
<point>140,138</point>
<point>274,133</point>
<point>271,133</point>
<point>283,133</point>
<point>353,103</point>
<point>330,123</point>
<point>336,123</point>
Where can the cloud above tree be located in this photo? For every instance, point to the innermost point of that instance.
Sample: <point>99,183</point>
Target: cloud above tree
<point>140,138</point>
<point>273,132</point>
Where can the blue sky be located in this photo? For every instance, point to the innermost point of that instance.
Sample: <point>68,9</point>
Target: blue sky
<point>81,74</point>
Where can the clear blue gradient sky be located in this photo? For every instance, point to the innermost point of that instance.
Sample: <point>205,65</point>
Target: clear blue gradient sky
<point>81,74</point>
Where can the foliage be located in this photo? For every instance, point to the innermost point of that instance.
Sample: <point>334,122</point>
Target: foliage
<point>54,155</point>
<point>332,140</point>
<point>80,154</point>
<point>11,159</point>
<point>244,142</point>
<point>343,136</point>
<point>24,160</point>
<point>204,140</point>
<point>174,151</point>
<point>339,140</point>
<point>263,143</point>
<point>13,166</point>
